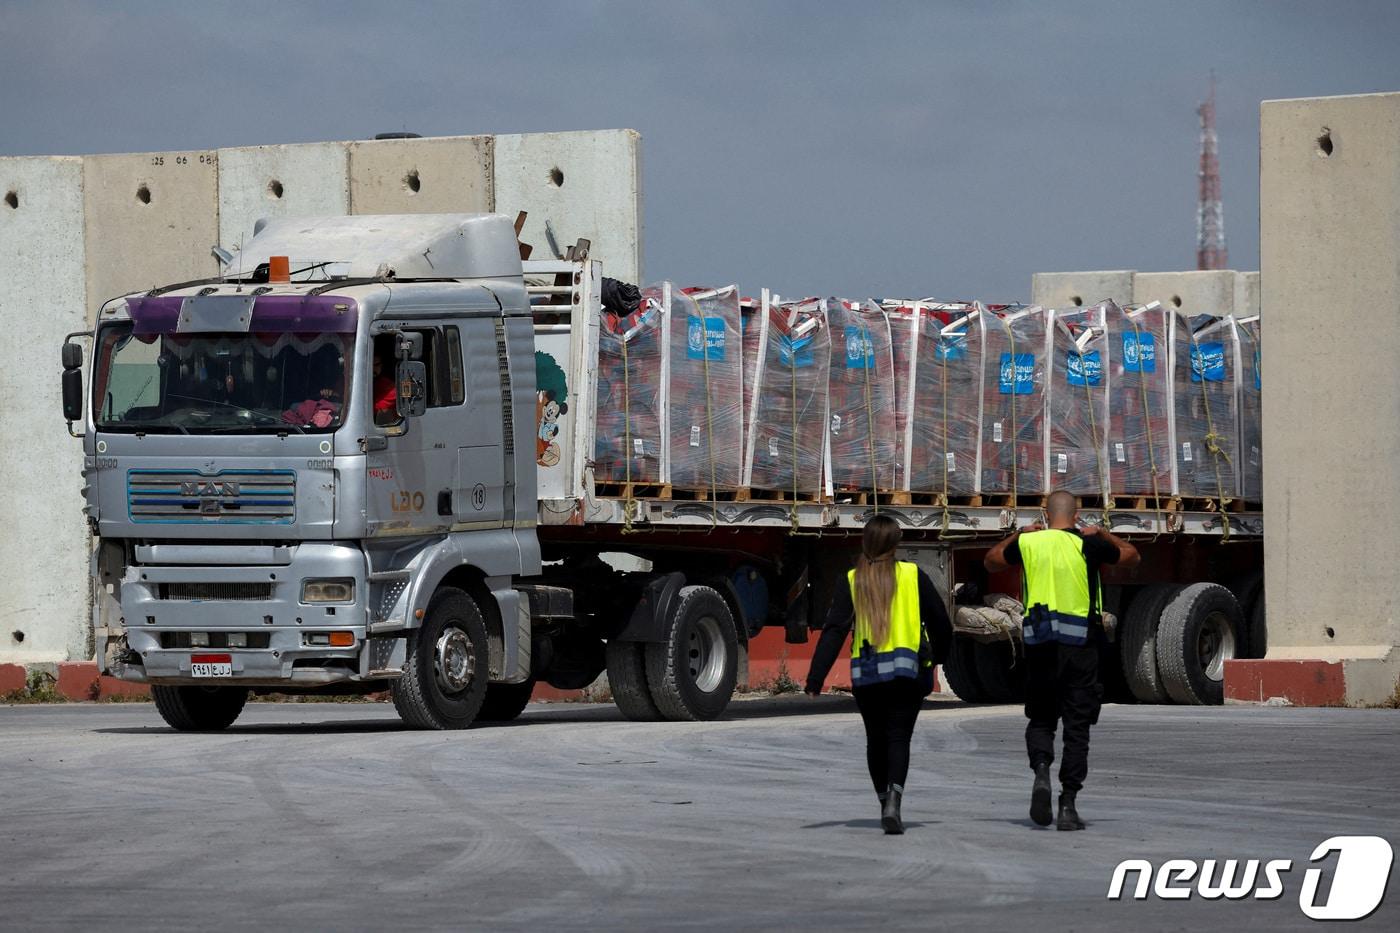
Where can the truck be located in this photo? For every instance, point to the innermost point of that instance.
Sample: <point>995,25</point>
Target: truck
<point>359,460</point>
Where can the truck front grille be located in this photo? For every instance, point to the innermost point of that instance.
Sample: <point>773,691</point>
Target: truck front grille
<point>214,640</point>
<point>218,591</point>
<point>229,497</point>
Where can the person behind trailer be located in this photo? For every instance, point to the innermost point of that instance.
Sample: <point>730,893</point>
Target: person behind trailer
<point>1061,631</point>
<point>901,631</point>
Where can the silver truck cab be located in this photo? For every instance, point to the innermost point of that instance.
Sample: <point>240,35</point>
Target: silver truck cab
<point>318,478</point>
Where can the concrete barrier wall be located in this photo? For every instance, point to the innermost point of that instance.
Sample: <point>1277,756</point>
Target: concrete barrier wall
<point>1196,292</point>
<point>418,176</point>
<point>1075,289</point>
<point>1247,294</point>
<point>43,535</point>
<point>151,219</point>
<point>580,185</point>
<point>309,180</point>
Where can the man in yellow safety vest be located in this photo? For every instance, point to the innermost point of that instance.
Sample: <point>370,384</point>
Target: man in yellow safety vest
<point>1061,631</point>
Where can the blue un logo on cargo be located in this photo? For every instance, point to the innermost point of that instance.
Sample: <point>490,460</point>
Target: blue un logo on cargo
<point>1139,353</point>
<point>860,349</point>
<point>705,338</point>
<point>1084,369</point>
<point>1208,362</point>
<point>1020,378</point>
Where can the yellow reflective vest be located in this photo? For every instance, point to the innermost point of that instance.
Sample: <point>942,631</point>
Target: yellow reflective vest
<point>898,654</point>
<point>1055,582</point>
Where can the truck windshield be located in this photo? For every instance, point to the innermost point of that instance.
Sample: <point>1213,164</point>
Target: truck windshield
<point>220,383</point>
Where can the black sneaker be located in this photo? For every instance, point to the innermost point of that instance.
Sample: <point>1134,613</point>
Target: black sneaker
<point>1040,796</point>
<point>1069,816</point>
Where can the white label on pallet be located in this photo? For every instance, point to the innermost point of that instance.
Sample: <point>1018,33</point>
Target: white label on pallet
<point>1186,451</point>
<point>695,435</point>
<point>952,462</point>
<point>1119,453</point>
<point>1063,465</point>
<point>637,447</point>
<point>835,424</point>
<point>996,431</point>
<point>773,447</point>
<point>1254,456</point>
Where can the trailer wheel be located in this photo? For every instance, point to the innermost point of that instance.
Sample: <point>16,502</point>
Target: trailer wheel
<point>1137,641</point>
<point>1001,673</point>
<point>1249,593</point>
<point>627,677</point>
<point>444,682</point>
<point>504,702</point>
<point>199,709</point>
<point>1199,632</point>
<point>692,672</point>
<point>960,670</point>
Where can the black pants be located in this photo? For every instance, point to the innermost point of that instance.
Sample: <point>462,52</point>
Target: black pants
<point>1062,685</point>
<point>889,710</point>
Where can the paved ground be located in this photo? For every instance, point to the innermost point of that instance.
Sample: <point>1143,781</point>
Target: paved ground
<point>317,816</point>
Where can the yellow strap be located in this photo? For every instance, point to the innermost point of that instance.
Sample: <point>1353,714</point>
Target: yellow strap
<point>1147,417</point>
<point>869,415</point>
<point>709,416</point>
<point>1212,440</point>
<point>1094,431</point>
<point>627,501</point>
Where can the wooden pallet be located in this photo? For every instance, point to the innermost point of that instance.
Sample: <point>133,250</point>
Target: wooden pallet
<point>632,490</point>
<point>717,494</point>
<point>867,497</point>
<point>754,494</point>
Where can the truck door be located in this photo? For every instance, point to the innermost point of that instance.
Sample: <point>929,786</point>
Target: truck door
<point>479,491</point>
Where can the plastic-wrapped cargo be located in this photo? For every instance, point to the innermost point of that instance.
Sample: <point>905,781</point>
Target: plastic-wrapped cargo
<point>862,400</point>
<point>787,444</point>
<point>1076,400</point>
<point>1205,430</point>
<point>1251,426</point>
<point>750,313</point>
<point>938,383</point>
<point>628,440</point>
<point>1140,401</point>
<point>1013,402</point>
<point>705,390</point>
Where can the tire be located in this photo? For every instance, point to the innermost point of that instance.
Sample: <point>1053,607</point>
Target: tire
<point>1249,593</point>
<point>1137,641</point>
<point>444,681</point>
<point>504,702</point>
<point>960,670</point>
<point>1200,630</point>
<point>1000,672</point>
<point>692,673</point>
<point>627,677</point>
<point>199,709</point>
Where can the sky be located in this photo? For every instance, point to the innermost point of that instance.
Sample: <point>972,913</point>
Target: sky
<point>946,149</point>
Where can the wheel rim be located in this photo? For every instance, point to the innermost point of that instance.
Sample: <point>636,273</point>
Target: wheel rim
<point>454,661</point>
<point>1215,645</point>
<point>705,654</point>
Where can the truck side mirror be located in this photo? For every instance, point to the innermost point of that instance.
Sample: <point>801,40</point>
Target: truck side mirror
<point>72,382</point>
<point>411,380</point>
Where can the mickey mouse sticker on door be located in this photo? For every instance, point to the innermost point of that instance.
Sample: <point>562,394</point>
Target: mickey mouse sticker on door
<point>550,406</point>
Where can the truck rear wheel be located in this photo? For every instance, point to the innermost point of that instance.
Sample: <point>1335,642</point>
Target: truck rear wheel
<point>1249,593</point>
<point>444,680</point>
<point>199,709</point>
<point>504,702</point>
<point>627,678</point>
<point>692,673</point>
<point>1199,633</point>
<point>1137,641</point>
<point>960,670</point>
<point>1000,672</point>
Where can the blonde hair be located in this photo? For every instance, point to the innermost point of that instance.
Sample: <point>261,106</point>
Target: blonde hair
<point>875,578</point>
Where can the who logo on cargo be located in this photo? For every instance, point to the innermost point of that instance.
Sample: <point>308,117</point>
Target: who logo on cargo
<point>1356,891</point>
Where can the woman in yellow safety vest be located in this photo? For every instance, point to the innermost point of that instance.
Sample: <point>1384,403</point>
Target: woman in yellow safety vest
<point>901,631</point>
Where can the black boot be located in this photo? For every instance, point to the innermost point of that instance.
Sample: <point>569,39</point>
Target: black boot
<point>889,813</point>
<point>1069,817</point>
<point>1040,796</point>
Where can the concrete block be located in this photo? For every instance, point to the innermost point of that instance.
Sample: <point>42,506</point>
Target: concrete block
<point>43,536</point>
<point>443,175</point>
<point>1195,292</point>
<point>1246,294</point>
<point>1329,186</point>
<point>311,180</point>
<point>152,219</point>
<point>586,184</point>
<point>1076,289</point>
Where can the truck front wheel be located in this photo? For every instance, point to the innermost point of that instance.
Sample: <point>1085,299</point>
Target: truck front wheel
<point>199,709</point>
<point>444,680</point>
<point>692,673</point>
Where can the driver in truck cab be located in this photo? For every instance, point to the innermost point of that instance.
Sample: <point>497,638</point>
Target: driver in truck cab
<point>385,393</point>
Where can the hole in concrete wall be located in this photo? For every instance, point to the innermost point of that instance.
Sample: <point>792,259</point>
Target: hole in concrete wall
<point>12,200</point>
<point>1176,301</point>
<point>274,190</point>
<point>1331,632</point>
<point>1324,143</point>
<point>411,181</point>
<point>1076,300</point>
<point>143,194</point>
<point>18,636</point>
<point>556,177</point>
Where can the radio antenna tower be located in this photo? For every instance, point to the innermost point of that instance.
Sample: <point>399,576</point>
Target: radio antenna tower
<point>1210,210</point>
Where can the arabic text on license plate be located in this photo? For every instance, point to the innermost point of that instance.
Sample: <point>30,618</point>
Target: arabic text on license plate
<point>211,665</point>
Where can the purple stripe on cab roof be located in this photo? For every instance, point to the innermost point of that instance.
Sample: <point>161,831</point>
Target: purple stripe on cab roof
<point>275,314</point>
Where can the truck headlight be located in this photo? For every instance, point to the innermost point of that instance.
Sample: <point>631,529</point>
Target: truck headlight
<point>340,590</point>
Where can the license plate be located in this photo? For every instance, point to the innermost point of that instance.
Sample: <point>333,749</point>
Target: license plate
<point>211,665</point>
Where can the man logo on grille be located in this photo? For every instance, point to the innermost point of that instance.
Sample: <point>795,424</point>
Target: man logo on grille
<point>207,489</point>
